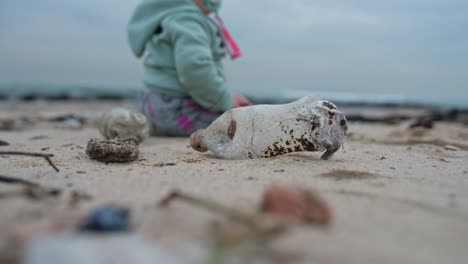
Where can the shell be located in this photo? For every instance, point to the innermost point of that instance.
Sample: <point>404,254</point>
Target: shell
<point>263,131</point>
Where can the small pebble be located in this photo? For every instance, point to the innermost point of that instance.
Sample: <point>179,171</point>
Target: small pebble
<point>392,168</point>
<point>451,148</point>
<point>40,137</point>
<point>4,143</point>
<point>443,160</point>
<point>81,172</point>
<point>164,164</point>
<point>422,122</point>
<point>107,219</point>
<point>381,158</point>
<point>279,171</point>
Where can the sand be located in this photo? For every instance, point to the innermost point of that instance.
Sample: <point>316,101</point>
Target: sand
<point>397,196</point>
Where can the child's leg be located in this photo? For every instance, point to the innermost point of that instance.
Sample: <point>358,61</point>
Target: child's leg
<point>174,116</point>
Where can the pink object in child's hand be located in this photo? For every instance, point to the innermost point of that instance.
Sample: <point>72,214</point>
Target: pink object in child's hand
<point>239,101</point>
<point>234,49</point>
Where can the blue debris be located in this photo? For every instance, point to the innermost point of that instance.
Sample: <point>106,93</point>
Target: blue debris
<point>4,143</point>
<point>107,219</point>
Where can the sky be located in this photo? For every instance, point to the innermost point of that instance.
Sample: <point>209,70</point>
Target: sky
<point>415,48</point>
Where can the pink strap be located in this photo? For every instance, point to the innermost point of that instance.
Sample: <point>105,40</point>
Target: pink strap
<point>234,49</point>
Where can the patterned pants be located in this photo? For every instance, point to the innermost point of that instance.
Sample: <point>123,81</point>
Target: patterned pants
<point>174,116</point>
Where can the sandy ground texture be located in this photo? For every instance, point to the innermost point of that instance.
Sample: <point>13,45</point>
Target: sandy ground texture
<point>396,195</point>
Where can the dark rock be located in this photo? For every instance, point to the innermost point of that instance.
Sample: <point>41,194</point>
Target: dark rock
<point>423,122</point>
<point>107,219</point>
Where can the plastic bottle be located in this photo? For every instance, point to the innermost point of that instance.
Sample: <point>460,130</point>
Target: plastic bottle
<point>124,123</point>
<point>262,131</point>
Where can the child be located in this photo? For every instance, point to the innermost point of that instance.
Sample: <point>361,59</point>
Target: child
<point>184,76</point>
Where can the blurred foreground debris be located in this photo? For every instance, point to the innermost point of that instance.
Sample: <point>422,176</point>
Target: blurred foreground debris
<point>290,206</point>
<point>81,248</point>
<point>35,191</point>
<point>107,219</point>
<point>30,190</point>
<point>295,205</point>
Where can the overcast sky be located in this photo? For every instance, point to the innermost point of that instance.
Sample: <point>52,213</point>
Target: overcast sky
<point>398,46</point>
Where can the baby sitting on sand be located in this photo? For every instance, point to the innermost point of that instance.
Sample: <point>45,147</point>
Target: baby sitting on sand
<point>186,89</point>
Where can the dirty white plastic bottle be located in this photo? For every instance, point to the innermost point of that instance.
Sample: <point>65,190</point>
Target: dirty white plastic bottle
<point>308,124</point>
<point>124,123</point>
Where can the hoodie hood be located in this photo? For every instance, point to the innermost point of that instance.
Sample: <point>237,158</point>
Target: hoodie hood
<point>148,16</point>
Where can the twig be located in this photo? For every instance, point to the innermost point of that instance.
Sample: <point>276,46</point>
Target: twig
<point>12,194</point>
<point>31,190</point>
<point>77,197</point>
<point>251,221</point>
<point>39,192</point>
<point>31,154</point>
<point>260,228</point>
<point>11,180</point>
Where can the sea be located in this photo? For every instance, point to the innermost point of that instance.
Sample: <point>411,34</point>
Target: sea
<point>44,91</point>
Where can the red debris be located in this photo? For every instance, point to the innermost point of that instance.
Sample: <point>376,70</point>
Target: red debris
<point>295,205</point>
<point>422,122</point>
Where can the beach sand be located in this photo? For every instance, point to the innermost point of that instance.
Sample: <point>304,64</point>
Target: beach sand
<point>397,196</point>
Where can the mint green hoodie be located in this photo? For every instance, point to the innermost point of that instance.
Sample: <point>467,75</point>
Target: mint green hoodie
<point>183,52</point>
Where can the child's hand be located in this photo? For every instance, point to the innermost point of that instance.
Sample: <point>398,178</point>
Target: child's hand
<point>239,101</point>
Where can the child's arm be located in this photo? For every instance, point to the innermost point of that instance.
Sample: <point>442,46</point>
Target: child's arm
<point>197,70</point>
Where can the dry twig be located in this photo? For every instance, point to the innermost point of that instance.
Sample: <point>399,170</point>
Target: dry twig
<point>249,220</point>
<point>260,228</point>
<point>30,190</point>
<point>11,180</point>
<point>31,154</point>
